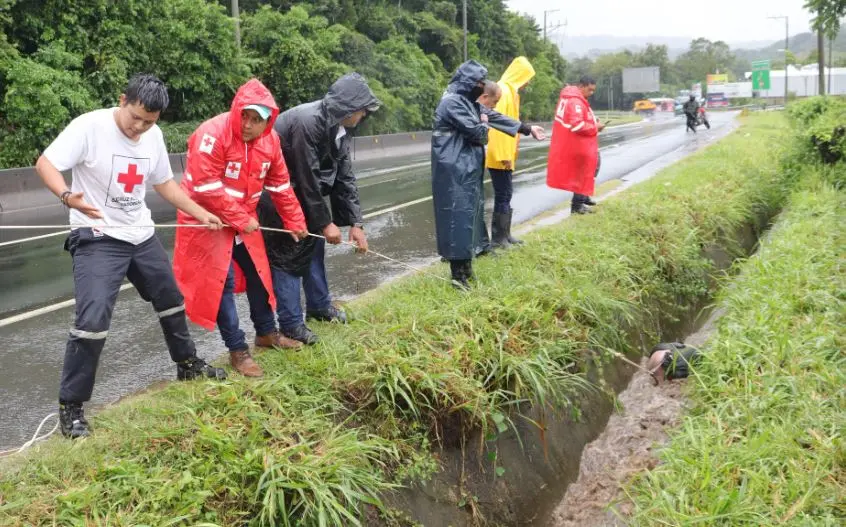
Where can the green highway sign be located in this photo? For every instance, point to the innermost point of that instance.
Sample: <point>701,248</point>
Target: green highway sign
<point>761,75</point>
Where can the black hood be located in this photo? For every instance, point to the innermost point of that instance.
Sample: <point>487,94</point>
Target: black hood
<point>466,77</point>
<point>348,95</point>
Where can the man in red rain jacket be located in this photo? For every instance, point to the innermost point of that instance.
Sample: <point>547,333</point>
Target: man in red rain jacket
<point>232,159</point>
<point>573,152</point>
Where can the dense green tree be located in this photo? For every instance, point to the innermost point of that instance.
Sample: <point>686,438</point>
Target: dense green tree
<point>79,54</point>
<point>286,59</point>
<point>48,86</point>
<point>704,57</point>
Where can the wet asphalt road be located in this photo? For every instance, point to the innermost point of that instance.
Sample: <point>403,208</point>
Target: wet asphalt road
<point>38,273</point>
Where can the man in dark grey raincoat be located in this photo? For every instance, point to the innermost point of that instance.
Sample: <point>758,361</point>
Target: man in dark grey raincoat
<point>458,153</point>
<point>316,147</point>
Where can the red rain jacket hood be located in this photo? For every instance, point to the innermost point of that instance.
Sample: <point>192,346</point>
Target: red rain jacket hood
<point>227,176</point>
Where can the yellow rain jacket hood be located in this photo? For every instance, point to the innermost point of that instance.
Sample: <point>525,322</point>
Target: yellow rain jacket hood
<point>502,147</point>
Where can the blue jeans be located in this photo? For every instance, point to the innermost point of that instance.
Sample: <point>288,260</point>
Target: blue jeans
<point>286,287</point>
<point>503,189</point>
<point>259,300</point>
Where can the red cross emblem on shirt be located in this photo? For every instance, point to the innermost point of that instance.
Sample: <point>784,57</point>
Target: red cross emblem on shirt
<point>130,178</point>
<point>233,167</point>
<point>207,142</point>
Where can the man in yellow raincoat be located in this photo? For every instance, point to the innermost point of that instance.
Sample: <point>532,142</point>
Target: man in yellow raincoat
<point>502,151</point>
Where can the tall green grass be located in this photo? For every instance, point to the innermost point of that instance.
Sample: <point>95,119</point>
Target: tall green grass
<point>333,427</point>
<point>764,444</point>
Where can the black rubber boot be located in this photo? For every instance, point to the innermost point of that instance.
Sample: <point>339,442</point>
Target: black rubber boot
<point>511,239</point>
<point>332,314</point>
<point>197,368</point>
<point>499,231</point>
<point>72,420</point>
<point>468,271</point>
<point>302,334</point>
<point>459,277</point>
<point>589,201</point>
<point>578,205</point>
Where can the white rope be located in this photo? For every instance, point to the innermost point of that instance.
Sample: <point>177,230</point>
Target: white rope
<point>67,228</point>
<point>368,251</point>
<point>35,437</point>
<point>189,225</point>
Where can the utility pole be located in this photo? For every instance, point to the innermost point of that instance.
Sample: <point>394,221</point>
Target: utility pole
<point>786,49</point>
<point>821,61</point>
<point>464,18</point>
<point>544,21</point>
<point>236,14</point>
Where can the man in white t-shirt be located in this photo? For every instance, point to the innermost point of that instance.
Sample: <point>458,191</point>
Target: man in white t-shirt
<point>113,154</point>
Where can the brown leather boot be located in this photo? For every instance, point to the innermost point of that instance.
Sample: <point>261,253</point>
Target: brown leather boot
<point>243,362</point>
<point>277,340</point>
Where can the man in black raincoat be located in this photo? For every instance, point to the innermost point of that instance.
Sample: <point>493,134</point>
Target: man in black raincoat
<point>316,147</point>
<point>458,154</point>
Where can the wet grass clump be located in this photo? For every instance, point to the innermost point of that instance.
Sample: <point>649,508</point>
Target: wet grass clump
<point>334,427</point>
<point>764,443</point>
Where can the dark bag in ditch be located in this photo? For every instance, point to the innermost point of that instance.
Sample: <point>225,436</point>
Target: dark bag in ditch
<point>677,363</point>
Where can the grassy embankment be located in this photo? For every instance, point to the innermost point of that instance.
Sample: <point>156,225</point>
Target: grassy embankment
<point>764,443</point>
<point>333,427</point>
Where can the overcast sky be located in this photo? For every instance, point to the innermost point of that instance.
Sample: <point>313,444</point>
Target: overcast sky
<point>729,20</point>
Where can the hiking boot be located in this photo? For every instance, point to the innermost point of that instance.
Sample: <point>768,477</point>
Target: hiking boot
<point>511,239</point>
<point>302,334</point>
<point>499,230</point>
<point>72,420</point>
<point>330,314</point>
<point>276,340</point>
<point>244,364</point>
<point>197,368</point>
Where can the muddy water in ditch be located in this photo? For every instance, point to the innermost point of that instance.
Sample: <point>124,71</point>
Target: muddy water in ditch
<point>571,459</point>
<point>629,445</point>
<point>632,440</point>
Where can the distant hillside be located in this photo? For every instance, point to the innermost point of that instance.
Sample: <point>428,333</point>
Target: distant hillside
<point>579,46</point>
<point>801,45</point>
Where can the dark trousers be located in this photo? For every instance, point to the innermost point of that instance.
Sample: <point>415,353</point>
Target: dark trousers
<point>503,189</point>
<point>260,313</point>
<point>691,123</point>
<point>286,287</point>
<point>100,264</point>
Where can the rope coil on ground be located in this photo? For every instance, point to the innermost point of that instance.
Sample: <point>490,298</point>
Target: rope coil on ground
<point>35,437</point>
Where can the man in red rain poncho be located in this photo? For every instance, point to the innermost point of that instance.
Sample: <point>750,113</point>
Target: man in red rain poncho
<point>232,159</point>
<point>574,152</point>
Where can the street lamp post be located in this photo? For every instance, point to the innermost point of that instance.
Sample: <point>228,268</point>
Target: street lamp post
<point>544,21</point>
<point>786,48</point>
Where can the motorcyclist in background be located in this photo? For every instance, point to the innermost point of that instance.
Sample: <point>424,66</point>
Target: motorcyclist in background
<point>691,108</point>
